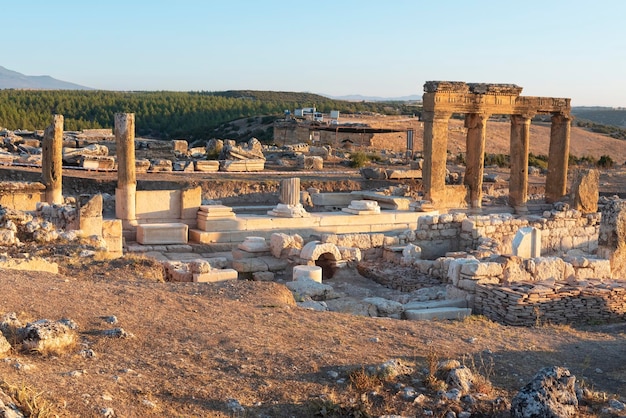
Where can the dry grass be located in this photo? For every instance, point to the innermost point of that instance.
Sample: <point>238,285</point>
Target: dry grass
<point>30,401</point>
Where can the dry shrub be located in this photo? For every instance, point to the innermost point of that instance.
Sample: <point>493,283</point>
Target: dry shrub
<point>362,381</point>
<point>432,381</point>
<point>482,370</point>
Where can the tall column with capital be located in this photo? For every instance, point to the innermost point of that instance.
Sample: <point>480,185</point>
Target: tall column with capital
<point>52,160</point>
<point>125,193</point>
<point>435,155</point>
<point>519,143</point>
<point>558,158</point>
<point>476,124</point>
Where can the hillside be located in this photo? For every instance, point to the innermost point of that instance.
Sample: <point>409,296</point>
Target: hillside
<point>601,115</point>
<point>13,80</point>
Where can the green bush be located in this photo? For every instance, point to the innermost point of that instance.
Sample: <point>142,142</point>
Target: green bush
<point>605,161</point>
<point>540,161</point>
<point>358,159</point>
<point>501,160</point>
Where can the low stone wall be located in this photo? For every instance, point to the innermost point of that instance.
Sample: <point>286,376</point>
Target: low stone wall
<point>21,195</point>
<point>561,231</point>
<point>527,304</point>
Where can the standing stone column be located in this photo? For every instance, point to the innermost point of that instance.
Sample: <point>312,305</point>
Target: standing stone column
<point>558,158</point>
<point>435,155</point>
<point>52,160</point>
<point>476,125</point>
<point>519,143</point>
<point>290,191</point>
<point>289,206</point>
<point>125,193</point>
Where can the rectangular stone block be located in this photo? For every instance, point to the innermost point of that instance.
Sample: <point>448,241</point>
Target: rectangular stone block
<point>216,276</point>
<point>190,201</point>
<point>220,225</point>
<point>165,233</point>
<point>333,199</point>
<point>159,204</point>
<point>207,166</point>
<point>437,313</point>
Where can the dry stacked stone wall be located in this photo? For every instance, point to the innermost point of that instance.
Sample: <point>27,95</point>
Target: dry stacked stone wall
<point>529,304</point>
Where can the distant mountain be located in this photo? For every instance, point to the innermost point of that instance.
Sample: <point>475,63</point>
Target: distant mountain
<point>360,98</point>
<point>14,80</point>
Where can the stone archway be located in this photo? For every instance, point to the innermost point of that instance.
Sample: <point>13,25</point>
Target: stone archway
<point>324,255</point>
<point>328,263</point>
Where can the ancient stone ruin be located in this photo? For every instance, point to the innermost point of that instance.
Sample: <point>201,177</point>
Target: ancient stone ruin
<point>554,262</point>
<point>478,101</point>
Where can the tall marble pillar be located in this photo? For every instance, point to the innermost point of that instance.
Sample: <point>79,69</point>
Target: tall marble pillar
<point>476,124</point>
<point>435,155</point>
<point>519,143</point>
<point>558,158</point>
<point>125,193</point>
<point>52,160</point>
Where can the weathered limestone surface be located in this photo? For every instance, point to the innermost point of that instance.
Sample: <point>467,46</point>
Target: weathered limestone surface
<point>551,393</point>
<point>585,191</point>
<point>47,336</point>
<point>307,273</point>
<point>162,233</point>
<point>527,242</point>
<point>612,237</point>
<point>90,216</point>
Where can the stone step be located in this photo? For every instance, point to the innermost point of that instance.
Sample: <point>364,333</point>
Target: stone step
<point>432,304</point>
<point>437,314</point>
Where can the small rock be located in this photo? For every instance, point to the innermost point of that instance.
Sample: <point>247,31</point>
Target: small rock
<point>88,353</point>
<point>68,323</point>
<point>332,374</point>
<point>453,394</point>
<point>615,404</point>
<point>111,319</point>
<point>108,412</point>
<point>234,406</point>
<point>148,403</point>
<point>117,333</point>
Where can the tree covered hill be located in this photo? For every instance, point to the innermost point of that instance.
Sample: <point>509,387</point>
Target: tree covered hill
<point>164,114</point>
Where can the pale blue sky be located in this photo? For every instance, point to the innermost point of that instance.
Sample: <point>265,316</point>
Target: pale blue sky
<point>389,48</point>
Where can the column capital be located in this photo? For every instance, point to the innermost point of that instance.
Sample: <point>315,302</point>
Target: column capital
<point>563,116</point>
<point>436,116</point>
<point>523,117</point>
<point>473,119</point>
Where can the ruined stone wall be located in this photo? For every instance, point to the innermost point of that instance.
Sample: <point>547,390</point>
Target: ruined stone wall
<point>437,235</point>
<point>290,133</point>
<point>561,231</point>
<point>528,305</point>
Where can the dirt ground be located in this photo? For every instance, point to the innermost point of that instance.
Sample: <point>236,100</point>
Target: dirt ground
<point>204,350</point>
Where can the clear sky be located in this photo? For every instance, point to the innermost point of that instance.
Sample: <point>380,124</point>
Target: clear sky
<point>385,48</point>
